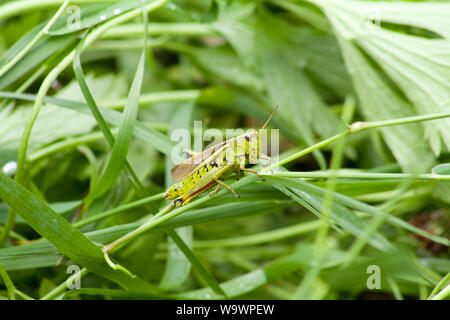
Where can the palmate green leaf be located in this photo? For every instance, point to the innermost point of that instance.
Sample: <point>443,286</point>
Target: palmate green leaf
<point>149,135</point>
<point>415,14</point>
<point>234,23</point>
<point>70,241</point>
<point>220,62</point>
<point>319,55</point>
<point>419,66</point>
<point>44,254</point>
<point>380,102</point>
<point>288,86</point>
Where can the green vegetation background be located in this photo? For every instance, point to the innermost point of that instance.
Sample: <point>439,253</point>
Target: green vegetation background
<point>87,113</point>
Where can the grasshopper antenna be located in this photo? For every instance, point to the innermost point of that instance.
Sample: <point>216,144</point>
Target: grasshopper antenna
<point>270,117</point>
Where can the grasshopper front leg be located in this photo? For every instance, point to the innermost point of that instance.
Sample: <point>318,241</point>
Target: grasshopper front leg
<point>221,183</point>
<point>213,193</point>
<point>254,172</point>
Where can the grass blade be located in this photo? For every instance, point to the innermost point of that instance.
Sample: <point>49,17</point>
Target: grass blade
<point>120,149</point>
<point>70,241</point>
<point>151,136</point>
<point>344,217</point>
<point>178,267</point>
<point>8,283</point>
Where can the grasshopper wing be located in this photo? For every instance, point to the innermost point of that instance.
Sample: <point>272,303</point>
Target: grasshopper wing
<point>185,168</point>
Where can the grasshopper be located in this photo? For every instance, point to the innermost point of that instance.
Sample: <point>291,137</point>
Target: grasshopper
<point>203,170</point>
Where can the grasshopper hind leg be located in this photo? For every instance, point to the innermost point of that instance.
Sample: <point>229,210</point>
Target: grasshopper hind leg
<point>189,196</point>
<point>213,193</point>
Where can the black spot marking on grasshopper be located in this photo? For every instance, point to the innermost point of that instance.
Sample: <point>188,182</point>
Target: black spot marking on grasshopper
<point>214,165</point>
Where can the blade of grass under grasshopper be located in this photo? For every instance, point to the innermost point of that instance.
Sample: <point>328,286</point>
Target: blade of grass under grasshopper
<point>70,241</point>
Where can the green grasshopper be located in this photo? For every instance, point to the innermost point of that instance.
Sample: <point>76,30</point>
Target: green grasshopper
<point>206,169</point>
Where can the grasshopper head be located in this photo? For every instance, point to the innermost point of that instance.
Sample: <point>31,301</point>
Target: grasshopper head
<point>253,141</point>
<point>252,146</point>
<point>251,136</point>
<point>172,192</point>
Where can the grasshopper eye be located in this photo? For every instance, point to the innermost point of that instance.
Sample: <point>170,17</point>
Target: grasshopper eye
<point>248,137</point>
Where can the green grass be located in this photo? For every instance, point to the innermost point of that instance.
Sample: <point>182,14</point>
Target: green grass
<point>362,178</point>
